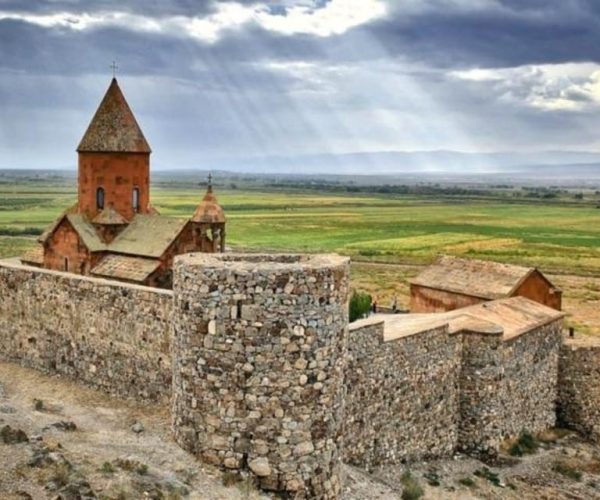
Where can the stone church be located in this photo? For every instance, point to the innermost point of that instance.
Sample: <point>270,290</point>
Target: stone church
<point>113,231</point>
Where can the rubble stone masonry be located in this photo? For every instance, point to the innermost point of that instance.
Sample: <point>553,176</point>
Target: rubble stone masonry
<point>480,409</point>
<point>264,376</point>
<point>402,396</point>
<point>259,352</point>
<point>108,334</point>
<point>579,388</point>
<point>530,381</point>
<point>428,394</point>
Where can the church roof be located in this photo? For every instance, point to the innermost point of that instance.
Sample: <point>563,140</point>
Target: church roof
<point>209,211</point>
<point>34,256</point>
<point>110,217</point>
<point>147,235</point>
<point>50,229</point>
<point>86,232</point>
<point>126,267</point>
<point>82,226</point>
<point>475,278</point>
<point>114,128</point>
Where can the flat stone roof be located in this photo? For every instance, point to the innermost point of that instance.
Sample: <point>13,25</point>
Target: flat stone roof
<point>125,267</point>
<point>147,236</point>
<point>262,261</point>
<point>507,317</point>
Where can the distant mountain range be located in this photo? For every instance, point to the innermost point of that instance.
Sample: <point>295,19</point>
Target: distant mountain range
<point>547,166</point>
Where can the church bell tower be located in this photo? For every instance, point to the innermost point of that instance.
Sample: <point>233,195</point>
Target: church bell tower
<point>114,162</point>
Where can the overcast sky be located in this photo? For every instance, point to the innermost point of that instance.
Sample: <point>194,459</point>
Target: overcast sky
<point>211,80</point>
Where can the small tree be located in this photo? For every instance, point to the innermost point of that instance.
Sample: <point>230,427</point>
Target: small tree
<point>360,305</point>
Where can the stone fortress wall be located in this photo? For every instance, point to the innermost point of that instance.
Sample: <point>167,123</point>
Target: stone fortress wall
<point>402,397</point>
<point>109,334</point>
<point>529,386</point>
<point>507,386</point>
<point>428,394</point>
<point>579,387</point>
<point>264,375</point>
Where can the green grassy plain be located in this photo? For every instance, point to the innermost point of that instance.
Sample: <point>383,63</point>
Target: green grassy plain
<point>394,229</point>
<point>388,236</point>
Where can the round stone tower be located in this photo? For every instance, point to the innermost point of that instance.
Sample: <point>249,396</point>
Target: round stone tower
<point>258,359</point>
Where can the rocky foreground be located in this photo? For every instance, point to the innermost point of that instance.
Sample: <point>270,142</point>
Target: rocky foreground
<point>59,440</point>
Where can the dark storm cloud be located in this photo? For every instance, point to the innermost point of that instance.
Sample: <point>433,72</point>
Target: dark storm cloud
<point>147,7</point>
<point>397,82</point>
<point>507,33</point>
<point>442,33</point>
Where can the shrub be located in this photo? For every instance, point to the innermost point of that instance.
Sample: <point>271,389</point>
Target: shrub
<point>567,470</point>
<point>432,478</point>
<point>411,490</point>
<point>467,481</point>
<point>360,305</point>
<point>486,473</point>
<point>61,475</point>
<point>107,468</point>
<point>132,465</point>
<point>20,231</point>
<point>230,478</point>
<point>526,445</point>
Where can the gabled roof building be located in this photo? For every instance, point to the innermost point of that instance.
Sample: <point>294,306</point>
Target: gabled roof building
<point>452,283</point>
<point>113,231</point>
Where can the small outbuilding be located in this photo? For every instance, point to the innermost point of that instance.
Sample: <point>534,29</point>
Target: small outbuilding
<point>453,283</point>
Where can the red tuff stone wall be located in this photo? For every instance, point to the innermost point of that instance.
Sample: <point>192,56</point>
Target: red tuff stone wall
<point>190,239</point>
<point>426,300</point>
<point>535,287</point>
<point>204,235</point>
<point>65,243</point>
<point>118,174</point>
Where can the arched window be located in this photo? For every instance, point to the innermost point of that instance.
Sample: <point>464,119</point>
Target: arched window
<point>100,198</point>
<point>135,199</point>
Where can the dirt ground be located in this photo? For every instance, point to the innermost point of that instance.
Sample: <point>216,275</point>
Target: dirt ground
<point>102,452</point>
<point>81,444</point>
<point>564,468</point>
